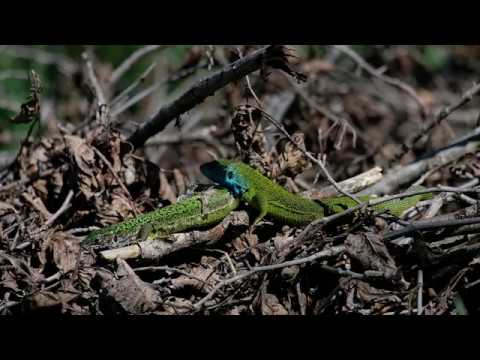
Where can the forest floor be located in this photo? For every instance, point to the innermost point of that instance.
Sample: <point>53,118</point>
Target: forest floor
<point>391,113</point>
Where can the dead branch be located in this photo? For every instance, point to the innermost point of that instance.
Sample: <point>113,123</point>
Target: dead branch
<point>402,175</point>
<point>353,184</point>
<point>434,224</point>
<point>61,210</point>
<point>156,249</point>
<point>205,88</point>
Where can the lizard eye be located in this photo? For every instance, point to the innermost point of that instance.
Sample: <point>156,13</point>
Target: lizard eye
<point>229,175</point>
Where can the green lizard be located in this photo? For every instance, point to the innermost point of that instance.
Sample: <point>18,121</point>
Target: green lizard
<point>272,199</point>
<point>207,208</point>
<point>202,209</point>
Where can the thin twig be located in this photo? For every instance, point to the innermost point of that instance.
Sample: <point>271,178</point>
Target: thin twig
<point>132,59</point>
<point>61,210</point>
<point>54,277</point>
<point>204,133</point>
<point>137,98</point>
<point>353,184</point>
<point>432,224</point>
<point>322,254</point>
<point>249,85</point>
<point>387,79</point>
<point>168,268</point>
<point>229,260</point>
<point>314,160</point>
<point>342,272</point>
<point>148,91</point>
<point>132,86</point>
<point>94,80</point>
<point>313,226</point>
<point>8,304</point>
<point>120,182</point>
<point>200,91</point>
<point>442,115</point>
<point>420,292</point>
<point>325,112</point>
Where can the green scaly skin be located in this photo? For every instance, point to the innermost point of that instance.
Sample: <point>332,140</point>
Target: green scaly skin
<point>202,209</point>
<point>209,207</point>
<point>285,207</point>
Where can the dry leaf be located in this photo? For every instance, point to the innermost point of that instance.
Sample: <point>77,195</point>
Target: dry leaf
<point>252,240</point>
<point>8,281</point>
<point>283,239</point>
<point>166,191</point>
<point>129,172</point>
<point>46,299</point>
<point>207,274</point>
<point>271,306</point>
<point>247,132</point>
<point>63,249</point>
<point>118,208</point>
<point>130,292</point>
<point>83,154</point>
<point>6,208</point>
<point>370,294</point>
<point>292,160</point>
<point>179,181</point>
<point>371,252</point>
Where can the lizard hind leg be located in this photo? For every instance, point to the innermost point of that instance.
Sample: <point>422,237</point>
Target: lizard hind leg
<point>261,204</point>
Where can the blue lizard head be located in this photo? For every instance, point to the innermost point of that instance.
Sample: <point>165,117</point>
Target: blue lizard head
<point>225,173</point>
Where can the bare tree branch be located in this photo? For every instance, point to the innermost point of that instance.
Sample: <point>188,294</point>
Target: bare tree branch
<point>131,60</point>
<point>271,54</point>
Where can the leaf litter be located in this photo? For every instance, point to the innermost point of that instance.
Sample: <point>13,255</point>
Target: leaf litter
<point>46,269</point>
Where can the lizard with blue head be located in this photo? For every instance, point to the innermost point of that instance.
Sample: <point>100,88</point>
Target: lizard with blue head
<point>285,207</point>
<point>227,174</point>
<point>261,193</point>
